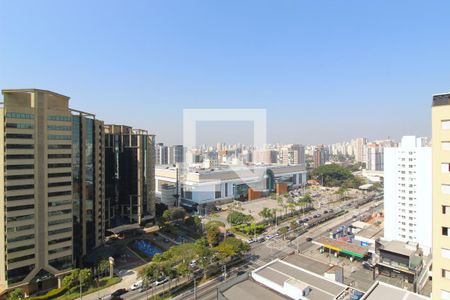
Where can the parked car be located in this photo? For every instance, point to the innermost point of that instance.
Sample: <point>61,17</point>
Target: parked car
<point>136,285</point>
<point>118,292</point>
<point>161,280</point>
<point>309,239</point>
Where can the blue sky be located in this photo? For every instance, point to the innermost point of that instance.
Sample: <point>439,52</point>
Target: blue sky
<point>325,70</point>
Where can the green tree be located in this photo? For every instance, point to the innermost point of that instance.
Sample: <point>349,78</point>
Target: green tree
<point>166,216</point>
<point>103,266</point>
<point>232,246</point>
<point>16,294</point>
<point>68,281</point>
<point>213,235</point>
<point>332,175</point>
<point>214,224</point>
<point>85,276</point>
<point>177,214</point>
<point>236,218</point>
<point>293,225</point>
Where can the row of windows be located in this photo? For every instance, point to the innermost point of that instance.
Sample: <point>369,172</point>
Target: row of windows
<point>57,146</point>
<point>57,241</point>
<point>21,238</point>
<point>20,218</point>
<point>20,187</point>
<point>15,115</point>
<point>19,167</point>
<point>61,263</point>
<point>59,137</point>
<point>59,202</point>
<point>20,197</point>
<point>60,165</point>
<point>60,127</point>
<point>20,228</point>
<point>19,146</point>
<point>21,248</point>
<point>20,258</point>
<point>58,250</point>
<point>20,207</point>
<point>58,231</point>
<point>59,212</point>
<point>20,156</point>
<point>17,177</point>
<point>58,155</point>
<point>61,221</point>
<point>63,193</point>
<point>64,183</point>
<point>19,125</point>
<point>19,136</point>
<point>63,174</point>
<point>59,118</point>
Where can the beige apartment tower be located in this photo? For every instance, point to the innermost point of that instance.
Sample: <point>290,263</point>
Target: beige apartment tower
<point>36,193</point>
<point>441,195</point>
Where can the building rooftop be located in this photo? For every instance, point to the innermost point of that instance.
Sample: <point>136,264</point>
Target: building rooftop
<point>383,291</point>
<point>341,246</point>
<point>371,231</point>
<point>282,276</point>
<point>250,290</point>
<point>398,247</point>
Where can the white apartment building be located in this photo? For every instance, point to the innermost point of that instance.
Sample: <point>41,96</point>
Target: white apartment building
<point>407,192</point>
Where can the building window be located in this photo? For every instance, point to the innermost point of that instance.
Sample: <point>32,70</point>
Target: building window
<point>64,183</point>
<point>59,156</point>
<point>446,231</point>
<point>60,118</point>
<point>64,174</point>
<point>18,136</point>
<point>445,188</point>
<point>446,274</point>
<point>445,124</point>
<point>19,146</point>
<point>59,137</point>
<point>19,167</point>
<point>60,165</point>
<point>20,207</point>
<point>445,253</point>
<point>19,125</point>
<point>56,146</point>
<point>59,127</point>
<point>14,115</point>
<point>63,193</point>
<point>20,156</point>
<point>20,187</point>
<point>445,295</point>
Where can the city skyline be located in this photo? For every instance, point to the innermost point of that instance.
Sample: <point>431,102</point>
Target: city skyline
<point>336,63</point>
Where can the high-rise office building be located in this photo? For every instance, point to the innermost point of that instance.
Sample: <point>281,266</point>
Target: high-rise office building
<point>359,146</point>
<point>320,156</point>
<point>129,175</point>
<point>407,192</point>
<point>374,157</point>
<point>291,155</point>
<point>264,156</point>
<point>441,195</point>
<point>36,188</point>
<point>162,154</point>
<point>176,154</point>
<point>88,173</point>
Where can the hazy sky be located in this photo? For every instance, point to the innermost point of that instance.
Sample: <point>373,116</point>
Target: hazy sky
<point>325,70</point>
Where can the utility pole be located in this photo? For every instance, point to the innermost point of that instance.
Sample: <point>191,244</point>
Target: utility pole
<point>195,288</point>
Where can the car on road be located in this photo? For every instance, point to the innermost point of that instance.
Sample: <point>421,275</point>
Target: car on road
<point>309,239</point>
<point>144,288</point>
<point>161,280</point>
<point>136,285</point>
<point>261,240</point>
<point>118,293</point>
<point>251,241</point>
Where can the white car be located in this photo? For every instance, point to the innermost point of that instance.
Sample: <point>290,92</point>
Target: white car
<point>161,280</point>
<point>136,285</point>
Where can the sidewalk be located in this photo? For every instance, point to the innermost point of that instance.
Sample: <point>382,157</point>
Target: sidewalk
<point>127,280</point>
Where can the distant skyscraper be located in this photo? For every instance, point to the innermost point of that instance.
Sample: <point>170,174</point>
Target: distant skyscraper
<point>441,195</point>
<point>321,156</point>
<point>374,157</point>
<point>359,149</point>
<point>264,156</point>
<point>162,154</point>
<point>176,154</point>
<point>130,171</point>
<point>407,192</point>
<point>291,154</point>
